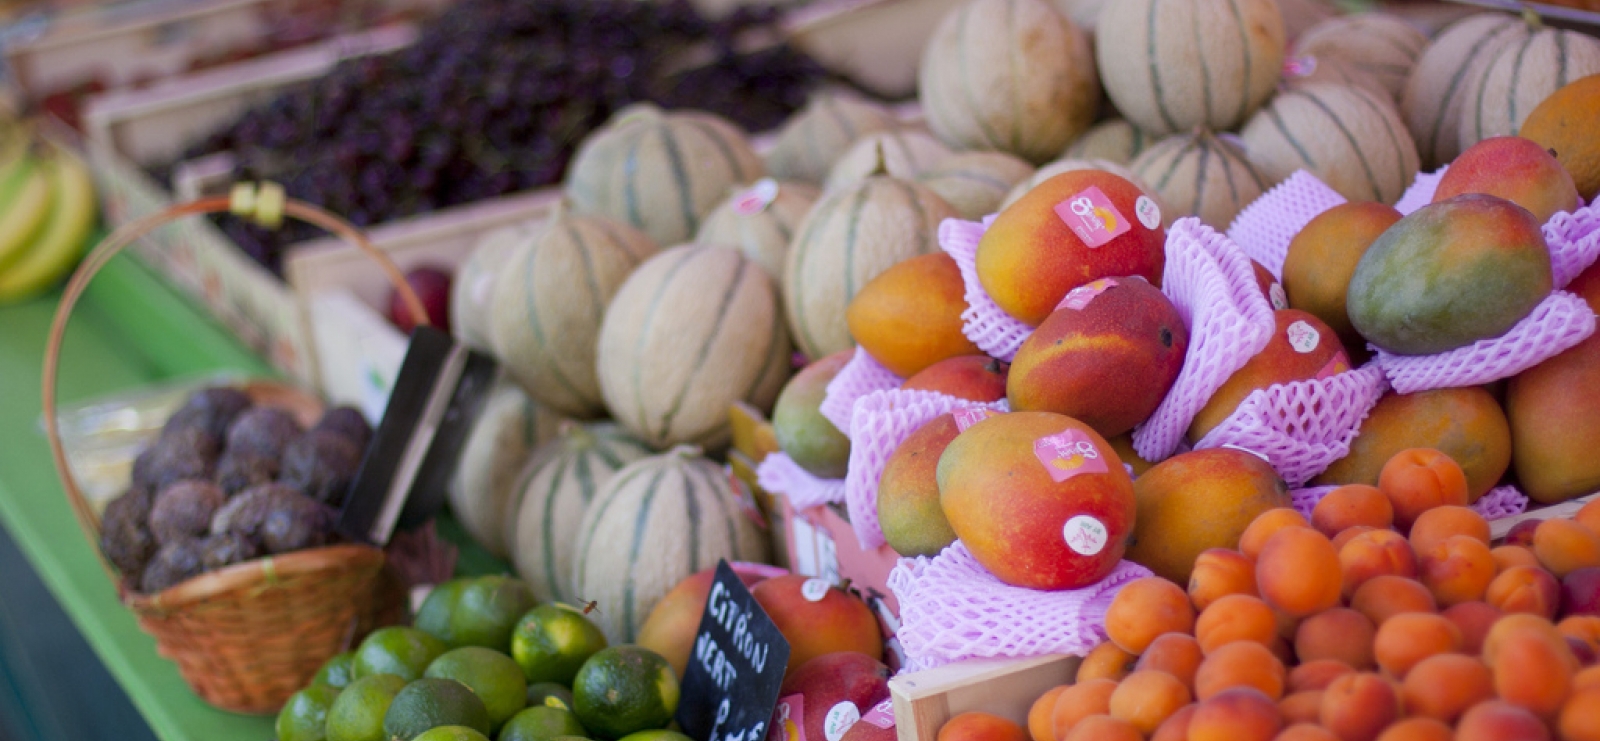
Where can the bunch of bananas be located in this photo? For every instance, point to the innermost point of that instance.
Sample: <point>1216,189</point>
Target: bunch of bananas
<point>47,210</point>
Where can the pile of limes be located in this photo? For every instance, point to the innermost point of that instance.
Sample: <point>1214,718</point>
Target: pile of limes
<point>483,661</point>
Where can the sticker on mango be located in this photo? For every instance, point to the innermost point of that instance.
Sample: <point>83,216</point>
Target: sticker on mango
<point>1068,453</point>
<point>1093,217</point>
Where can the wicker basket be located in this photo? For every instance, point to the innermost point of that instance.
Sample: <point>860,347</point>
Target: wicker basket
<point>247,636</point>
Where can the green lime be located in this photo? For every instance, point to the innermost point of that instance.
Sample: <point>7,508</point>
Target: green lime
<point>493,676</point>
<point>553,694</point>
<point>623,689</point>
<point>432,702</point>
<point>661,734</point>
<point>433,617</point>
<point>451,733</point>
<point>487,611</point>
<point>305,716</point>
<point>552,641</point>
<point>338,671</point>
<point>541,723</point>
<point>357,714</point>
<point>398,650</point>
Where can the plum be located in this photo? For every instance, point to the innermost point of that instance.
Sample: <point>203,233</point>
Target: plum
<point>347,421</point>
<point>263,431</point>
<point>125,535</point>
<point>226,549</point>
<point>184,510</point>
<point>432,285</point>
<point>242,470</point>
<point>1580,591</point>
<point>173,564</point>
<point>321,463</point>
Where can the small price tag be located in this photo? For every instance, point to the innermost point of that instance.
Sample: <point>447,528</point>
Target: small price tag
<point>736,666</point>
<point>1303,337</point>
<point>1093,217</point>
<point>881,715</point>
<point>969,416</point>
<point>1337,364</point>
<point>1078,298</point>
<point>1067,454</point>
<point>756,198</point>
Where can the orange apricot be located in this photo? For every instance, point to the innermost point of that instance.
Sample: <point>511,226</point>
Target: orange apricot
<point>1531,672</point>
<point>1358,706</point>
<point>1235,714</point>
<point>1383,597</point>
<point>1525,589</point>
<point>1439,523</point>
<point>1407,638</point>
<point>1351,505</point>
<point>1300,707</point>
<point>1146,608</point>
<point>1374,553</point>
<point>1586,678</point>
<point>1456,569</point>
<point>1106,661</point>
<point>1235,617</point>
<point>1239,664</point>
<point>1316,674</point>
<point>1564,546</point>
<point>1418,479</point>
<point>1506,556</point>
<point>1298,572</point>
<point>1349,533</point>
<point>1341,634</point>
<point>1103,728</point>
<point>1520,623</point>
<point>1443,686</point>
<point>1497,720</point>
<point>1039,727</point>
<point>979,726</point>
<point>1589,515</point>
<point>1579,719</point>
<point>1417,729</point>
<point>1219,572</point>
<point>1147,698</point>
<point>1177,654</point>
<point>1584,628</point>
<point>1265,525</point>
<point>1080,700</point>
<point>1305,732</point>
<point>1473,619</point>
<point>1176,726</point>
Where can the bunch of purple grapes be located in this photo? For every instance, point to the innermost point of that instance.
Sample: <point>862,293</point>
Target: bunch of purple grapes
<point>493,98</point>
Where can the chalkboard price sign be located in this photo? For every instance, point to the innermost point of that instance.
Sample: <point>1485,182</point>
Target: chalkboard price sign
<point>735,667</point>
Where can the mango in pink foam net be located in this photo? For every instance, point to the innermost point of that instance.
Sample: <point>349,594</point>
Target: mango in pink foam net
<point>1265,227</point>
<point>779,474</point>
<point>859,377</point>
<point>995,332</point>
<point>1556,324</point>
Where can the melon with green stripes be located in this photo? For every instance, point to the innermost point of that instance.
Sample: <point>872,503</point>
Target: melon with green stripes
<point>1436,91</point>
<point>851,236</point>
<point>1306,69</point>
<point>660,172</point>
<point>507,431</point>
<point>657,521</point>
<point>1518,76</point>
<point>1350,138</point>
<point>1202,175</point>
<point>1178,64</point>
<point>1052,169</point>
<point>902,153</point>
<point>760,220</point>
<point>474,284</point>
<point>693,330</point>
<point>547,305</point>
<point>1382,45</point>
<point>1299,15</point>
<point>1112,140</point>
<point>808,143</point>
<point>975,182</point>
<point>1008,75</point>
<point>552,491</point>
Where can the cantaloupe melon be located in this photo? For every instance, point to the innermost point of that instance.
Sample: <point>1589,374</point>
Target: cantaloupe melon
<point>1112,140</point>
<point>1202,175</point>
<point>903,153</point>
<point>819,133</point>
<point>1379,44</point>
<point>1351,139</point>
<point>507,431</point>
<point>1008,75</point>
<point>850,236</point>
<point>660,172</point>
<point>1517,76</point>
<point>1178,64</point>
<point>474,284</point>
<point>975,182</point>
<point>552,491</point>
<point>546,306</point>
<point>760,220</point>
<point>1052,169</point>
<point>693,330</point>
<point>1307,69</point>
<point>1082,13</point>
<point>1299,15</point>
<point>1437,88</point>
<point>657,521</point>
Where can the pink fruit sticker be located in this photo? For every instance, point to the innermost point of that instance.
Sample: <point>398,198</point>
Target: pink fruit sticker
<point>1093,217</point>
<point>1067,454</point>
<point>1337,364</point>
<point>1085,535</point>
<point>1304,65</point>
<point>969,416</point>
<point>1303,337</point>
<point>788,719</point>
<point>1078,298</point>
<point>756,198</point>
<point>881,715</point>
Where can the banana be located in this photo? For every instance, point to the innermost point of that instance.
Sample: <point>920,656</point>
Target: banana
<point>23,209</point>
<point>61,239</point>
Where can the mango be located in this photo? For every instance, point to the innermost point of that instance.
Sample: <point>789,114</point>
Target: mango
<point>673,622</point>
<point>818,618</point>
<point>1513,168</point>
<point>1301,348</point>
<point>1323,256</point>
<point>1449,274</point>
<point>824,684</point>
<point>1040,499</point>
<point>1107,357</point>
<point>1270,286</point>
<point>803,433</point>
<point>1464,423</point>
<point>1554,411</point>
<point>1198,500</point>
<point>908,492</point>
<point>909,316</point>
<point>1067,231</point>
<point>971,377</point>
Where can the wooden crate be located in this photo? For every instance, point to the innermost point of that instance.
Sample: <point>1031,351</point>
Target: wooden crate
<point>924,700</point>
<point>1499,528</point>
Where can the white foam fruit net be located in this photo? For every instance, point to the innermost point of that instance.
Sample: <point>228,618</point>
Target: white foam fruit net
<point>1557,323</point>
<point>1303,426</point>
<point>1421,191</point>
<point>779,474</point>
<point>1501,501</point>
<point>983,321</point>
<point>860,376</point>
<point>1574,240</point>
<point>880,422</point>
<point>1265,227</point>
<point>951,609</point>
<point>1212,285</point>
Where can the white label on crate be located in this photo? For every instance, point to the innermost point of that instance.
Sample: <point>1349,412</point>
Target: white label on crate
<point>1303,337</point>
<point>1148,212</point>
<point>814,590</point>
<point>839,719</point>
<point>1085,535</point>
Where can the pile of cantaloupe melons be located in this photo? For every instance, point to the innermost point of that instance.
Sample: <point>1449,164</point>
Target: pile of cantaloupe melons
<point>687,269</point>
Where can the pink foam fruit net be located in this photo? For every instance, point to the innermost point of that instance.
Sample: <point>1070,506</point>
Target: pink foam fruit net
<point>1421,191</point>
<point>779,474</point>
<point>1303,426</point>
<point>1266,226</point>
<point>951,608</point>
<point>983,321</point>
<point>860,376</point>
<point>880,422</point>
<point>1496,503</point>
<point>1213,286</point>
<point>1560,321</point>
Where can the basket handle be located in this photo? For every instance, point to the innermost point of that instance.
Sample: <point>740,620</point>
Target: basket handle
<point>266,206</point>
